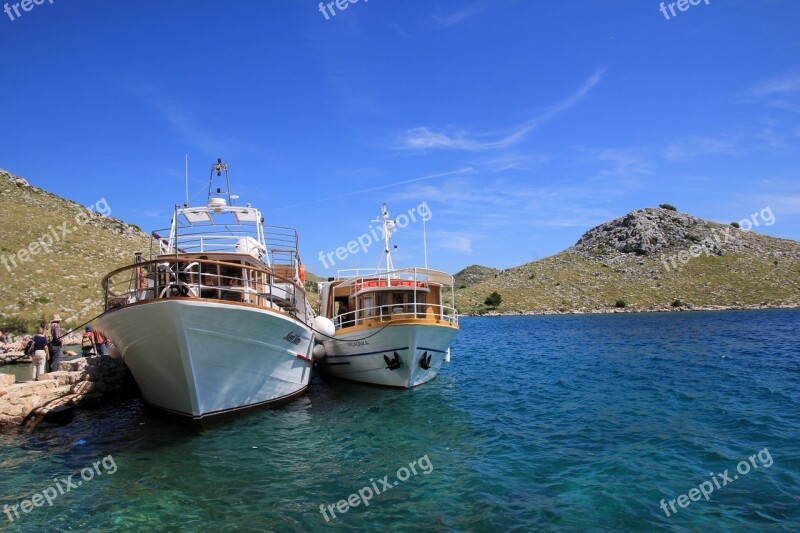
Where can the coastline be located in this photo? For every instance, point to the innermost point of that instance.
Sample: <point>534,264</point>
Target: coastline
<point>614,310</point>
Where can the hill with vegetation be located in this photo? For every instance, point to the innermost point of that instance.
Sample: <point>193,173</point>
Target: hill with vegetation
<point>474,274</point>
<point>652,259</point>
<point>54,253</point>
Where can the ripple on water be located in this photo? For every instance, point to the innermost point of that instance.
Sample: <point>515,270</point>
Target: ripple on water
<point>554,423</point>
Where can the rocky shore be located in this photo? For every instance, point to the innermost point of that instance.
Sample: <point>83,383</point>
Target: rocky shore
<point>84,381</point>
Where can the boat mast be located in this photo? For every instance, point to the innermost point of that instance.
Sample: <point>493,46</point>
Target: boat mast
<point>388,229</point>
<point>219,167</point>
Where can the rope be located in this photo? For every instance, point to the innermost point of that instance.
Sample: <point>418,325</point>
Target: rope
<point>351,340</point>
<point>73,330</point>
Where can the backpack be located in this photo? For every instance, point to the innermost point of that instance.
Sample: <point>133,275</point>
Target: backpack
<point>29,348</point>
<point>86,341</point>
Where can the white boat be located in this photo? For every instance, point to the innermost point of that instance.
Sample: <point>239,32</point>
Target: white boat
<point>217,321</point>
<point>386,327</point>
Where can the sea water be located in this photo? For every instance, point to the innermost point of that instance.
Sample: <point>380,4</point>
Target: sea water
<point>561,423</point>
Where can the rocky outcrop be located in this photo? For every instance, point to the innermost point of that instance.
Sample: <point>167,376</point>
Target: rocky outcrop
<point>658,231</point>
<point>474,274</point>
<point>84,381</point>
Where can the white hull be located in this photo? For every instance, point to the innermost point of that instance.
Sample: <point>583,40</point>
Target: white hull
<point>201,359</point>
<point>364,360</point>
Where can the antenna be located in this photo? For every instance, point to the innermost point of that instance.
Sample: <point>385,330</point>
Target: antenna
<point>187,180</point>
<point>425,236</point>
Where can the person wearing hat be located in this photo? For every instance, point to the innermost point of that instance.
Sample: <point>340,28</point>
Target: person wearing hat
<point>87,342</point>
<point>55,343</point>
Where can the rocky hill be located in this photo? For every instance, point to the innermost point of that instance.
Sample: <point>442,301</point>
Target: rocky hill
<point>652,259</point>
<point>474,274</point>
<point>54,252</point>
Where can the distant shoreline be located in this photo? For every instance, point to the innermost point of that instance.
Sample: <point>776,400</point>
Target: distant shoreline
<point>668,309</point>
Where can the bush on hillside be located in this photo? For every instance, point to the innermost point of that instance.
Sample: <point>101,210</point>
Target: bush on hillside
<point>494,299</point>
<point>668,206</point>
<point>16,325</point>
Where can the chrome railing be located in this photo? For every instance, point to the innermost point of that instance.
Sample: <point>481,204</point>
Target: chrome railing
<point>405,311</point>
<point>204,279</point>
<point>282,243</point>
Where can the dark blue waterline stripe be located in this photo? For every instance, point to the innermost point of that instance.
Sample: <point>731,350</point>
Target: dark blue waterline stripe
<point>331,364</point>
<point>369,353</point>
<point>431,349</point>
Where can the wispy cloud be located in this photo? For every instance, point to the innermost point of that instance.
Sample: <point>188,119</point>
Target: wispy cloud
<point>423,138</point>
<point>177,116</point>
<point>452,240</point>
<point>788,83</point>
<point>465,170</point>
<point>697,145</point>
<point>780,92</point>
<point>451,19</point>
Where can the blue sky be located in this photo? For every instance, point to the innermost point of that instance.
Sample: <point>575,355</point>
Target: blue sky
<point>522,124</point>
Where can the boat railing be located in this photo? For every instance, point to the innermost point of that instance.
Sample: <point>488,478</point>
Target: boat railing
<point>281,242</point>
<point>188,278</point>
<point>359,272</point>
<point>405,311</point>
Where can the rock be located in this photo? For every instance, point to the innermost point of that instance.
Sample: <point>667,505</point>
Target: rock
<point>59,415</point>
<point>32,401</point>
<point>7,379</point>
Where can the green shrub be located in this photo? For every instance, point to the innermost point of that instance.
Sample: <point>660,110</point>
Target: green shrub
<point>735,225</point>
<point>668,206</point>
<point>677,303</point>
<point>494,299</point>
<point>16,325</point>
<point>620,304</point>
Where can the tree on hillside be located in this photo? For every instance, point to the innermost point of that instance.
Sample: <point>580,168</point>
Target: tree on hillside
<point>668,206</point>
<point>494,299</point>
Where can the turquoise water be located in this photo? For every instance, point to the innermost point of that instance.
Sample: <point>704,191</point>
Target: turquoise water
<point>540,423</point>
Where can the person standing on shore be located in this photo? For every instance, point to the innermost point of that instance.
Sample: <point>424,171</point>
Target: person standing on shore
<point>40,354</point>
<point>88,342</point>
<point>55,343</point>
<point>101,342</point>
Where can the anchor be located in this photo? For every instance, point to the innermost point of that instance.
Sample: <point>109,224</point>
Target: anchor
<point>425,362</point>
<point>393,363</point>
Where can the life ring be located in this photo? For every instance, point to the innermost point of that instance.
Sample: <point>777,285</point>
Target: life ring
<point>178,290</point>
<point>302,274</point>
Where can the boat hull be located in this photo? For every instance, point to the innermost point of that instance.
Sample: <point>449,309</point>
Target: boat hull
<point>366,360</point>
<point>202,359</point>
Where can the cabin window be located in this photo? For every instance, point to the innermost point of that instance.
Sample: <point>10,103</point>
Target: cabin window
<point>368,310</point>
<point>397,302</point>
<point>383,303</point>
<point>422,300</point>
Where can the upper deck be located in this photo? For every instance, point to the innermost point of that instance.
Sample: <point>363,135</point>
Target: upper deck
<point>368,298</point>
